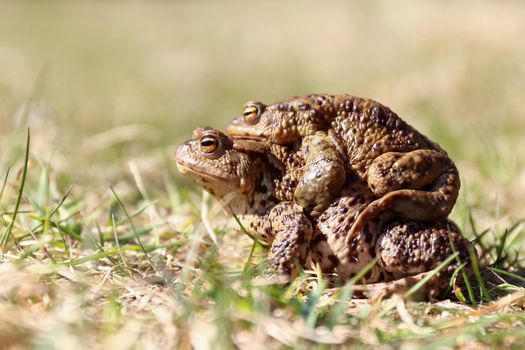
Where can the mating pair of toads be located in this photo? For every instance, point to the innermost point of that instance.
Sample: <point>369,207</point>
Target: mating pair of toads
<point>338,181</point>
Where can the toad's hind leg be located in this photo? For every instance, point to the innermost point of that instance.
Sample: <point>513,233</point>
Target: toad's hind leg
<point>407,248</point>
<point>414,170</point>
<point>419,185</point>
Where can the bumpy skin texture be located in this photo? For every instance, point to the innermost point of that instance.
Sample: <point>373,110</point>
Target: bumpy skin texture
<point>249,184</point>
<point>403,247</point>
<point>408,173</point>
<point>420,251</point>
<point>246,187</point>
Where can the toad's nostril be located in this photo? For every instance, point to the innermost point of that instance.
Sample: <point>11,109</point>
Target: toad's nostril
<point>237,121</point>
<point>181,151</point>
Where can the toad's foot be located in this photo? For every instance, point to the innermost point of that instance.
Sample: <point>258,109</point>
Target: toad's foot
<point>272,279</point>
<point>431,290</point>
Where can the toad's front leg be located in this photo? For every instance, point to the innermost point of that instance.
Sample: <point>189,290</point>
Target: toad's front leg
<point>292,233</point>
<point>324,174</point>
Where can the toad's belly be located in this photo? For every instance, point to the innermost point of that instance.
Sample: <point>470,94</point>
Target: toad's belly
<point>335,251</point>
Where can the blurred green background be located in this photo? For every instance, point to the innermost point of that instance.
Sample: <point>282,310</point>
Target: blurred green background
<point>103,83</point>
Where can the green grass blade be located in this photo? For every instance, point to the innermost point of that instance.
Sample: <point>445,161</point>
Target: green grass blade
<point>132,227</point>
<point>243,229</point>
<point>61,228</point>
<point>463,272</point>
<point>507,273</point>
<point>430,275</point>
<point>4,183</point>
<point>117,245</point>
<point>9,230</point>
<point>62,200</point>
<point>500,249</point>
<point>127,236</point>
<point>310,310</point>
<point>246,267</point>
<point>113,251</point>
<point>477,274</point>
<point>340,306</point>
<point>363,272</point>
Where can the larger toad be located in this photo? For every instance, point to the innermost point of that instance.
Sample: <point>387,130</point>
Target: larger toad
<point>343,137</point>
<point>246,184</point>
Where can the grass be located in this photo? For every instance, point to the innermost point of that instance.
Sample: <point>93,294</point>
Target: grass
<point>105,245</point>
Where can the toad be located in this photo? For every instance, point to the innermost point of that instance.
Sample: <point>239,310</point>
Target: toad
<point>343,138</point>
<point>247,182</point>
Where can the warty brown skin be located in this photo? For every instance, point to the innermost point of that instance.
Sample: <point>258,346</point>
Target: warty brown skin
<point>247,185</point>
<point>342,137</point>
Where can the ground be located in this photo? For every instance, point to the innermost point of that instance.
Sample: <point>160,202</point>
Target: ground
<point>104,245</point>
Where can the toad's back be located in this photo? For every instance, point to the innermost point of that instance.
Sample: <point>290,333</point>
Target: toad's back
<point>366,129</point>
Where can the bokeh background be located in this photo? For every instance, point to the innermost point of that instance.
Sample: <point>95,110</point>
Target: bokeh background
<point>105,83</point>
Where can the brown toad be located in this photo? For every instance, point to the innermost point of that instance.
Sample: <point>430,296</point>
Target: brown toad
<point>342,137</point>
<point>246,184</point>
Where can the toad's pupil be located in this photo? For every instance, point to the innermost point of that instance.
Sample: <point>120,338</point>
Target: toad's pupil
<point>208,143</point>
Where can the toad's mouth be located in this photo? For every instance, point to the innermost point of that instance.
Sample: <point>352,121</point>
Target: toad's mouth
<point>238,129</point>
<point>247,144</point>
<point>204,176</point>
<point>249,137</point>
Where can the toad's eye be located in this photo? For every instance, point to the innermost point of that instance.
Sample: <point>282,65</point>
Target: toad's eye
<point>251,112</point>
<point>209,144</point>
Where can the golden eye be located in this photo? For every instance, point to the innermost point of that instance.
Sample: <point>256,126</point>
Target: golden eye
<point>209,144</point>
<point>251,112</point>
